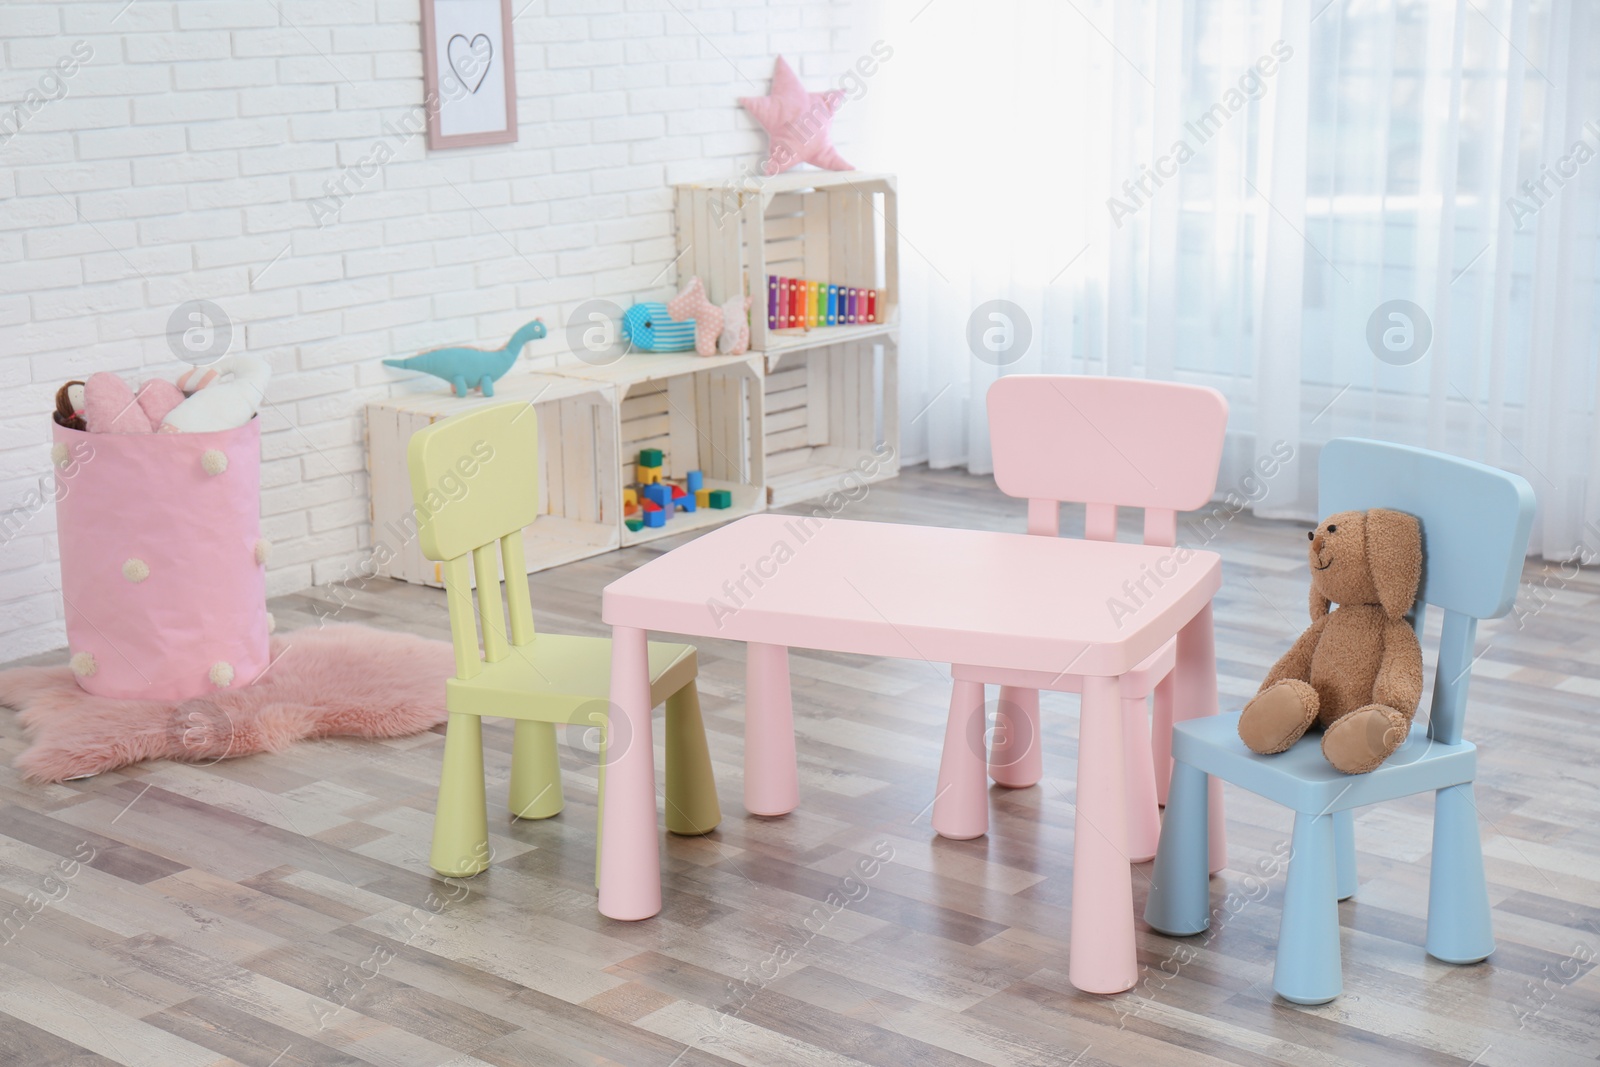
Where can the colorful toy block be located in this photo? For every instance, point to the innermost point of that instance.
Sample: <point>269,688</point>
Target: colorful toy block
<point>630,495</point>
<point>702,497</point>
<point>696,481</point>
<point>649,506</point>
<point>721,498</point>
<point>634,524</point>
<point>685,502</point>
<point>651,457</point>
<point>649,475</point>
<point>655,518</point>
<point>678,491</point>
<point>629,509</point>
<point>660,494</point>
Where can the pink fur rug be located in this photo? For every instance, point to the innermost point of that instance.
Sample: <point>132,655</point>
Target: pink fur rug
<point>339,681</point>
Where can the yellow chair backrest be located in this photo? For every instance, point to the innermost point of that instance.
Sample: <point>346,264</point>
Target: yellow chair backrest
<point>475,485</point>
<point>475,478</point>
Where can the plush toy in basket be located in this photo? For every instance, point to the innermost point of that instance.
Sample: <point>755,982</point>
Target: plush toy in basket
<point>1357,671</point>
<point>158,515</point>
<point>221,396</point>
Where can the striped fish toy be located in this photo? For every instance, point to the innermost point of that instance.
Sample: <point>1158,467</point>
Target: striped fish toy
<point>649,328</point>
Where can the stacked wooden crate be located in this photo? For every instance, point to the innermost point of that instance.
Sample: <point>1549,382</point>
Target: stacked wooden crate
<point>837,227</point>
<point>580,503</point>
<point>702,412</point>
<point>831,420</point>
<point>831,391</point>
<point>804,413</point>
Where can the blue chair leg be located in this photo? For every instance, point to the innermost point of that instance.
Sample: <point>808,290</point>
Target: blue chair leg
<point>1180,892</point>
<point>1459,929</point>
<point>1308,969</point>
<point>1344,843</point>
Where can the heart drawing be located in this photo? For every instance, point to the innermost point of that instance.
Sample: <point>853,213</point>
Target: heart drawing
<point>469,58</point>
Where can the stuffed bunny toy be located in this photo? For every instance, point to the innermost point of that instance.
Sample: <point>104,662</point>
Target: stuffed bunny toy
<point>1357,671</point>
<point>223,400</point>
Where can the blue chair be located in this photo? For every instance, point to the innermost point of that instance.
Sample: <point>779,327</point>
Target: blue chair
<point>1475,523</point>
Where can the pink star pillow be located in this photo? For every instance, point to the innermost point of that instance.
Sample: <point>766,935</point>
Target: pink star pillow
<point>798,124</point>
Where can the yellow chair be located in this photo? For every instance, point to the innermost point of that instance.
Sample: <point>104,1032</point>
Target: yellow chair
<point>475,482</point>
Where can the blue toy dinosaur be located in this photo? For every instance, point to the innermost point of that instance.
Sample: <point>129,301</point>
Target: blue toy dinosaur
<point>465,368</point>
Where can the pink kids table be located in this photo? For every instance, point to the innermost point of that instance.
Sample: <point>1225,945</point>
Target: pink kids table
<point>966,598</point>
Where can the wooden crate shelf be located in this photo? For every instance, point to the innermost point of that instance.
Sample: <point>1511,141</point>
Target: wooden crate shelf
<point>838,227</point>
<point>785,341</point>
<point>703,412</point>
<point>580,502</point>
<point>832,419</point>
<point>801,415</point>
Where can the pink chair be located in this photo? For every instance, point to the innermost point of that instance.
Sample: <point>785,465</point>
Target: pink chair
<point>1109,443</point>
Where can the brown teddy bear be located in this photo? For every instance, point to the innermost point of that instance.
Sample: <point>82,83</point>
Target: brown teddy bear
<point>1358,670</point>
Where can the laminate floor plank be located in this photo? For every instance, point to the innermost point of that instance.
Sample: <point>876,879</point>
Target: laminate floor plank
<point>40,1048</point>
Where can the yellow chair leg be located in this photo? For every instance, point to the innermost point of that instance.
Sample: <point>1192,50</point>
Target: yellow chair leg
<point>535,771</point>
<point>691,788</point>
<point>460,821</point>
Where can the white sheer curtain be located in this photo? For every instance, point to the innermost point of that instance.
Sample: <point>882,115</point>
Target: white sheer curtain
<point>1339,157</point>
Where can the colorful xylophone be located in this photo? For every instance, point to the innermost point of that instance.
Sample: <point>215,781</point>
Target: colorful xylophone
<point>796,304</point>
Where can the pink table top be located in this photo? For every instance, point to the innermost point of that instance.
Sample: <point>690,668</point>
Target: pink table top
<point>943,595</point>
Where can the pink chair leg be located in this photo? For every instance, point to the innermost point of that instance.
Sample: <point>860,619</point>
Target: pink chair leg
<point>1144,817</point>
<point>1016,758</point>
<point>1196,674</point>
<point>961,807</point>
<point>1161,734</point>
<point>771,779</point>
<point>1102,958</point>
<point>630,848</point>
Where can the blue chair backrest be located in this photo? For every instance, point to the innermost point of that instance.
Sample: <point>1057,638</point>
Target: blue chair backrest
<point>1475,525</point>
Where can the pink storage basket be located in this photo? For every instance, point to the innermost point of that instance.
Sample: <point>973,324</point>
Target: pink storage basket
<point>162,560</point>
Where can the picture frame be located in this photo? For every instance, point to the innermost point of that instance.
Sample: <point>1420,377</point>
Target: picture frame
<point>469,73</point>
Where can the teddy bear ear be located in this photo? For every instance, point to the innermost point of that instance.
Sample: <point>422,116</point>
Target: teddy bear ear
<point>1394,558</point>
<point>1319,604</point>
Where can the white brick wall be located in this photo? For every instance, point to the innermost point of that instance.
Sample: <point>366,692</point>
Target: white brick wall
<point>180,159</point>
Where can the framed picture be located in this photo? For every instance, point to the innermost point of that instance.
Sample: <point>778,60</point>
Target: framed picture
<point>469,75</point>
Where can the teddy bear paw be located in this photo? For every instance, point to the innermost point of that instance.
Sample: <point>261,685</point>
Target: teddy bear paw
<point>1276,718</point>
<point>1360,741</point>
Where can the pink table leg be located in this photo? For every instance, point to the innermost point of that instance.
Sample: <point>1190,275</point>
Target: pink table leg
<point>1016,758</point>
<point>630,848</point>
<point>1102,955</point>
<point>771,780</point>
<point>1196,695</point>
<point>961,806</point>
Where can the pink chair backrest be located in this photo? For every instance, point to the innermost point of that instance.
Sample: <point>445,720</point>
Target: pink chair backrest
<point>1106,442</point>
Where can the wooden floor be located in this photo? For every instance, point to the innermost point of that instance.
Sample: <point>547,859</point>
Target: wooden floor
<point>278,911</point>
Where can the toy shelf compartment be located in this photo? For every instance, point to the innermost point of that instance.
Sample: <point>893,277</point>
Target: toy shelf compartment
<point>838,227</point>
<point>580,503</point>
<point>704,413</point>
<point>824,410</point>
